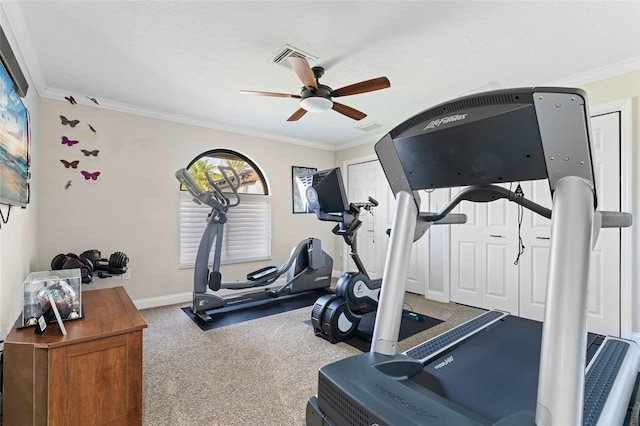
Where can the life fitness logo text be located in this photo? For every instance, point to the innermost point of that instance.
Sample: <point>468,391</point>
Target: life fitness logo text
<point>444,120</point>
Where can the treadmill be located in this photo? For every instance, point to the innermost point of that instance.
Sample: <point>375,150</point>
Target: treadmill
<point>495,369</point>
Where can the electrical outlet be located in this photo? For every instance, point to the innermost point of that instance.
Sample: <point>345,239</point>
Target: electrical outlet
<point>127,274</point>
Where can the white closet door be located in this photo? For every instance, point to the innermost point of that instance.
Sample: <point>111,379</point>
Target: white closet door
<point>603,315</point>
<point>483,252</point>
<point>366,180</point>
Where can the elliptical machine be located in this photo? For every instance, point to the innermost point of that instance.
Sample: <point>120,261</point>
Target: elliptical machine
<point>335,317</point>
<point>308,267</point>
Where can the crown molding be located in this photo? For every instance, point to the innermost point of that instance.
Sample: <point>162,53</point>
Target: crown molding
<point>57,94</point>
<point>602,73</point>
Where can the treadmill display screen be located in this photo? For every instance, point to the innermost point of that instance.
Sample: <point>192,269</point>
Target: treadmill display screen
<point>490,144</point>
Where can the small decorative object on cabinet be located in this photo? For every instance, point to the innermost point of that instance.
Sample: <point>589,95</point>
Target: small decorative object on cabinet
<point>64,285</point>
<point>93,375</point>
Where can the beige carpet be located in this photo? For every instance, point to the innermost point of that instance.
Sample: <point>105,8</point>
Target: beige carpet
<point>260,372</point>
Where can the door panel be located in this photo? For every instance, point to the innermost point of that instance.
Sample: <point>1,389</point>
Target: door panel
<point>364,181</point>
<point>483,249</point>
<point>534,262</point>
<point>482,270</point>
<point>438,272</point>
<point>466,254</point>
<point>603,312</point>
<point>417,275</point>
<point>367,179</point>
<point>604,279</point>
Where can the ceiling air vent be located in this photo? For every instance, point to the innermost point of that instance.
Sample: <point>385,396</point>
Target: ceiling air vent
<point>369,127</point>
<point>281,57</point>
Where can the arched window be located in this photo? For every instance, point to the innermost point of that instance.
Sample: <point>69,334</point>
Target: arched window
<point>247,233</point>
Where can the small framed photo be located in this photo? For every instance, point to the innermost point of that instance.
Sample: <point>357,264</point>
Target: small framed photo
<point>297,193</point>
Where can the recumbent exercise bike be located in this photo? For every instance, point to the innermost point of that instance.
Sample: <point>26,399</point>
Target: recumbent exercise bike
<point>335,317</point>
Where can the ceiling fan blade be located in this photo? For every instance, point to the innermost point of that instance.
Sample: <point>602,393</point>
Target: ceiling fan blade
<point>348,111</point>
<point>362,87</point>
<point>278,95</point>
<point>296,115</point>
<point>303,70</point>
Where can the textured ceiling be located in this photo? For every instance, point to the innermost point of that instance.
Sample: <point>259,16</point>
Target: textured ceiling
<point>187,61</point>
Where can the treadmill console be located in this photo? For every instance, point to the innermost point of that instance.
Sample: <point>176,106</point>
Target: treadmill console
<point>494,137</point>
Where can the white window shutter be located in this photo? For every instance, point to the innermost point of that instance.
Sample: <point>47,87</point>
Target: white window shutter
<point>247,233</point>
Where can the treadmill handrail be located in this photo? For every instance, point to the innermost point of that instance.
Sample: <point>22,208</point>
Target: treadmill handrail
<point>486,194</point>
<point>489,193</point>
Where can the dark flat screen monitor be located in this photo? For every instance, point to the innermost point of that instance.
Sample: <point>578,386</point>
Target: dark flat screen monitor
<point>14,145</point>
<point>329,187</point>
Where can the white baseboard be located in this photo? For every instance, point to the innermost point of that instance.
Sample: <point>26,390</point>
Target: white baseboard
<point>156,302</point>
<point>437,296</point>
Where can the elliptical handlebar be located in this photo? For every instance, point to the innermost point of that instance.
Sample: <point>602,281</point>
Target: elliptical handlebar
<point>216,192</point>
<point>201,196</point>
<point>232,181</point>
<point>214,197</point>
<point>192,186</point>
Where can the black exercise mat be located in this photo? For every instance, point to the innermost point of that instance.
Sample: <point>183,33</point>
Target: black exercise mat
<point>249,311</point>
<point>411,323</point>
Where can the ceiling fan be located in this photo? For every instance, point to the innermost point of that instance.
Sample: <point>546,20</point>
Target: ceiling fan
<point>316,97</point>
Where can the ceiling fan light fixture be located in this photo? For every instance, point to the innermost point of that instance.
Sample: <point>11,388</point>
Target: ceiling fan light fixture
<point>316,104</point>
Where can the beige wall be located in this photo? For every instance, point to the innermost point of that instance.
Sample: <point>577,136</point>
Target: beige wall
<point>133,205</point>
<point>18,236</point>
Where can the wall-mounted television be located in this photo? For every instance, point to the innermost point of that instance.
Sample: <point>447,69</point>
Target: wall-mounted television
<point>14,145</point>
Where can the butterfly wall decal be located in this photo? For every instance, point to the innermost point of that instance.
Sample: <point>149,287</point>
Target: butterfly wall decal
<point>72,164</point>
<point>64,120</point>
<point>92,129</point>
<point>68,142</point>
<point>90,153</point>
<point>93,100</point>
<point>87,175</point>
<point>67,185</point>
<point>71,100</point>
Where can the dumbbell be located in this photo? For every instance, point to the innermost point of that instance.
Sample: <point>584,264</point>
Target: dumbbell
<point>116,264</point>
<point>73,261</point>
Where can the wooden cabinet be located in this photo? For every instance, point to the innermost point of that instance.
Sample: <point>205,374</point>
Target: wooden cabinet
<point>91,376</point>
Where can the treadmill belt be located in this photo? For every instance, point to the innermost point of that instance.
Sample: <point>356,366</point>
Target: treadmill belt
<point>507,358</point>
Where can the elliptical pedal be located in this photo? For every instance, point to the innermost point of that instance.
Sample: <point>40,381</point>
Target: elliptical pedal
<point>204,316</point>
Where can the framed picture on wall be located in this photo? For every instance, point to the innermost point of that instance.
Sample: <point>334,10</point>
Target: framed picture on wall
<point>297,193</point>
<point>14,145</point>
